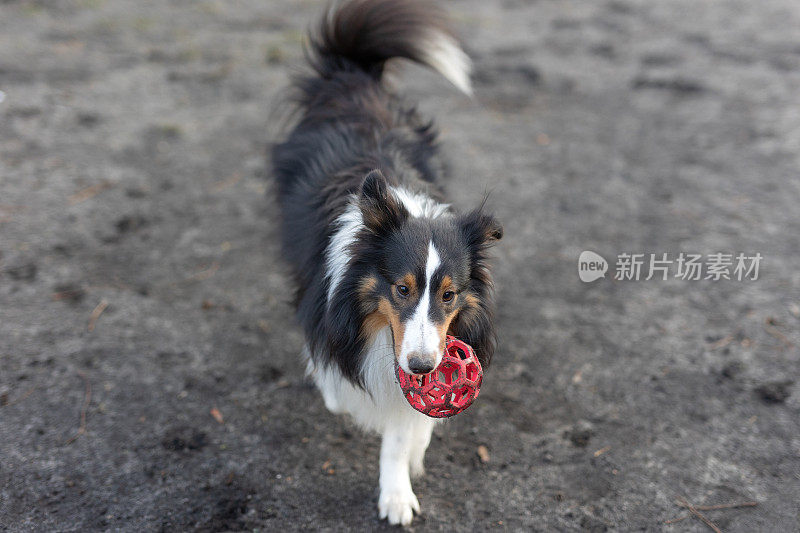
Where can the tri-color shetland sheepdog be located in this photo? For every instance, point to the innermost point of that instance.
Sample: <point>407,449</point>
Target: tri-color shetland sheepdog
<point>384,269</point>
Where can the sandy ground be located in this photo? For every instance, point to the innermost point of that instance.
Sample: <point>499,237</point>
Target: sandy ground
<point>132,181</point>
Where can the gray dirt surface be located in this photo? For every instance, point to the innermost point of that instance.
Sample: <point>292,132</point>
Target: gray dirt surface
<point>132,172</point>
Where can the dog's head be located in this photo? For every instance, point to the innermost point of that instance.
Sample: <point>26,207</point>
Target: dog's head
<point>419,269</point>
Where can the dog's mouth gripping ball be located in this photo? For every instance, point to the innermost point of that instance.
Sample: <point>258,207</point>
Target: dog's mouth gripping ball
<point>450,388</point>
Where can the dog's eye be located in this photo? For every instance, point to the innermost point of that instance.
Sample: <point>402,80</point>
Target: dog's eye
<point>448,296</point>
<point>402,290</point>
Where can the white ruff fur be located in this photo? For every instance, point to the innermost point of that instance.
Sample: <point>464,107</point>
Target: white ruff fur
<point>338,252</point>
<point>381,403</point>
<point>381,407</point>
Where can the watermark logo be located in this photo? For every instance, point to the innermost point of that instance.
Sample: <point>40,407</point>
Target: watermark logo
<point>591,266</point>
<point>685,266</point>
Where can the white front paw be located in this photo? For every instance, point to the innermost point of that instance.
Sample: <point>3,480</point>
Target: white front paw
<point>398,506</point>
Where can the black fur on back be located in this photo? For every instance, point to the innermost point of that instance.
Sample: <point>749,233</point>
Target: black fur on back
<point>350,124</point>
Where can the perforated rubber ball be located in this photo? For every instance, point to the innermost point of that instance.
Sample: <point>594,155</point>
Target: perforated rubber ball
<point>450,388</point>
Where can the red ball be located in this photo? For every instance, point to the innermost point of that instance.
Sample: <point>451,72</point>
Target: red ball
<point>450,387</point>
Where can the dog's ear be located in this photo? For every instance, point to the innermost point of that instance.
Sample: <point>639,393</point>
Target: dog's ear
<point>475,324</point>
<point>480,229</point>
<point>380,209</point>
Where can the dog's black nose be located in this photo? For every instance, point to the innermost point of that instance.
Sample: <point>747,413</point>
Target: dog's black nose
<point>420,364</point>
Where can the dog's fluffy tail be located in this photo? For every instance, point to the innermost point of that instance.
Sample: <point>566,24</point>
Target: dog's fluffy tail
<point>364,34</point>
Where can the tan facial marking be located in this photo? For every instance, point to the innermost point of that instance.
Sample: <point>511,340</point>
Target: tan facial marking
<point>365,289</point>
<point>468,309</point>
<point>443,328</point>
<point>470,300</point>
<point>373,323</point>
<point>411,282</point>
<point>367,285</point>
<point>445,285</point>
<point>393,318</point>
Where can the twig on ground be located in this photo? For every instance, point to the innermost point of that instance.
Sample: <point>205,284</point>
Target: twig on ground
<point>204,274</point>
<point>20,399</point>
<point>701,516</point>
<point>710,508</point>
<point>96,314</point>
<point>87,398</point>
<point>769,326</point>
<point>721,506</point>
<point>601,451</point>
<point>723,342</point>
<point>88,192</point>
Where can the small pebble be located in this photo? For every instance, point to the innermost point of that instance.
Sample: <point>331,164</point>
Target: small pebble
<point>774,391</point>
<point>483,453</point>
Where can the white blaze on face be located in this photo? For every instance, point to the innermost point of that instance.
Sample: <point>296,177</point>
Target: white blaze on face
<point>421,334</point>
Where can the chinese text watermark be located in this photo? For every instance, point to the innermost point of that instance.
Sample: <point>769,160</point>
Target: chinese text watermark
<point>662,266</point>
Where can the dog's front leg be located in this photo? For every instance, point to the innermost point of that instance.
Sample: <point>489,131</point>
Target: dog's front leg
<point>397,501</point>
<point>422,437</point>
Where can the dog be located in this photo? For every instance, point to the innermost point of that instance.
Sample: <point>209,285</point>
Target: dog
<point>384,269</point>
